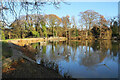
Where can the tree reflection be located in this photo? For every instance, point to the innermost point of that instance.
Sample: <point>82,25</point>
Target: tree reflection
<point>91,54</point>
<point>44,50</point>
<point>90,60</point>
<point>101,50</point>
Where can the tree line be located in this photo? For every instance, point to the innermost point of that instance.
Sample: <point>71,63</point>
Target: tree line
<point>32,24</point>
<point>91,25</point>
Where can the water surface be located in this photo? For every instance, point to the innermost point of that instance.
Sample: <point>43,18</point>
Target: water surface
<point>75,59</point>
<point>80,59</point>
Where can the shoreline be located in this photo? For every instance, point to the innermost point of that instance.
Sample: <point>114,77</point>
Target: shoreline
<point>26,41</point>
<point>22,42</point>
<point>37,68</point>
<point>34,66</point>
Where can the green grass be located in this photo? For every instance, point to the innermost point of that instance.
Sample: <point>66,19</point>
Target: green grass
<point>6,50</point>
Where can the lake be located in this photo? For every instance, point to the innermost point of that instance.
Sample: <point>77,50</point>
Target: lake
<point>79,59</point>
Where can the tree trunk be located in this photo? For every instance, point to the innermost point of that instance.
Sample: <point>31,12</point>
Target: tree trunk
<point>86,32</point>
<point>21,32</point>
<point>86,46</point>
<point>100,32</point>
<point>66,33</point>
<point>69,34</point>
<point>9,35</point>
<point>100,45</point>
<point>53,31</point>
<point>56,32</point>
<point>89,48</point>
<point>82,33</point>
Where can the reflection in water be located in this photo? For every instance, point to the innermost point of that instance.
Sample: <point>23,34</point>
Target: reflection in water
<point>80,59</point>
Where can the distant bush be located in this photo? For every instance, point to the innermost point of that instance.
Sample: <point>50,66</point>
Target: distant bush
<point>3,35</point>
<point>35,34</point>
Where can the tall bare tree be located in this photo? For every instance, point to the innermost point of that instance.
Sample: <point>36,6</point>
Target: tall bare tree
<point>102,22</point>
<point>53,21</point>
<point>74,25</point>
<point>88,19</point>
<point>66,23</point>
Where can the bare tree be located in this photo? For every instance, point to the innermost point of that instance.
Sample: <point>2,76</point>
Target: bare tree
<point>16,8</point>
<point>88,19</point>
<point>66,23</point>
<point>53,21</point>
<point>74,25</point>
<point>102,22</point>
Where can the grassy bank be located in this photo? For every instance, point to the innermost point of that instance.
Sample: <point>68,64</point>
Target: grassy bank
<point>22,67</point>
<point>6,50</point>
